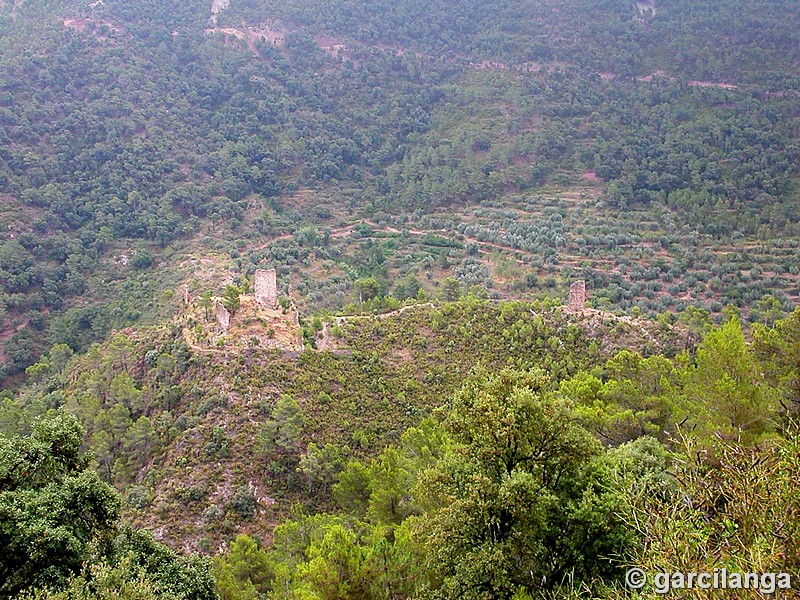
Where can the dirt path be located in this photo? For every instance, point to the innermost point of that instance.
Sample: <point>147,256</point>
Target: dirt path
<point>399,311</point>
<point>716,84</point>
<point>285,236</point>
<point>342,232</point>
<point>326,341</point>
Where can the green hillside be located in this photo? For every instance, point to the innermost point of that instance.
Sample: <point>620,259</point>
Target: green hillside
<point>425,411</point>
<point>211,443</point>
<point>652,152</point>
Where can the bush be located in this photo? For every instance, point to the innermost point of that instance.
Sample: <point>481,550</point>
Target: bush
<point>244,502</point>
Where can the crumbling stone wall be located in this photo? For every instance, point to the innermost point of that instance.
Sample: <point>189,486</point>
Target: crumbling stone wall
<point>266,288</point>
<point>577,296</point>
<point>222,315</point>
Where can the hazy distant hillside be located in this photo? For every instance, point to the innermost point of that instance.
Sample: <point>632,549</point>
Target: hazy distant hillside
<point>650,149</point>
<point>696,40</point>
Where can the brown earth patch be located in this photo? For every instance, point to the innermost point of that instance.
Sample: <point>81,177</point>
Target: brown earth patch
<point>716,84</point>
<point>270,32</point>
<point>331,44</point>
<point>82,24</point>
<point>592,177</point>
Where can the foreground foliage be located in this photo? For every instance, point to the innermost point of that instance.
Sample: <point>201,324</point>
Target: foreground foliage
<point>59,533</point>
<point>738,508</point>
<point>507,491</point>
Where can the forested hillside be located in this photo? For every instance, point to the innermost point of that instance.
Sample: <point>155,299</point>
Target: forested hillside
<point>650,150</point>
<point>438,452</point>
<point>422,409</point>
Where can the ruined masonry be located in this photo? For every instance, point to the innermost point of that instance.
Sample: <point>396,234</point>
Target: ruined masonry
<point>577,296</point>
<point>266,288</point>
<point>222,315</point>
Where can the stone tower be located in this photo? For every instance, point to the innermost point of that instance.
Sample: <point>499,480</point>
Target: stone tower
<point>577,296</point>
<point>266,288</point>
<point>222,315</point>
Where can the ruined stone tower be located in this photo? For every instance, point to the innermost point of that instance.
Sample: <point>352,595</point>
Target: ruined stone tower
<point>577,296</point>
<point>266,288</point>
<point>222,315</point>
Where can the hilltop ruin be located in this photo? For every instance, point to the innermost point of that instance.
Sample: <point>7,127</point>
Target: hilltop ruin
<point>577,296</point>
<point>258,321</point>
<point>222,315</point>
<point>266,288</point>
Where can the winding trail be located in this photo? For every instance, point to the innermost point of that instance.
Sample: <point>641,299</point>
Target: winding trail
<point>326,342</point>
<point>339,233</point>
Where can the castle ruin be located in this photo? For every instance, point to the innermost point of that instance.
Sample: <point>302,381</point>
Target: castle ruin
<point>222,315</point>
<point>577,296</point>
<point>266,288</point>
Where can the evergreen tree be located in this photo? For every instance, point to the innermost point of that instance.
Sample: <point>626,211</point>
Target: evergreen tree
<point>52,506</point>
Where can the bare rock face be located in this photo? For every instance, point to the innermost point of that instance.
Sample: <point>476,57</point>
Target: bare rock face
<point>266,288</point>
<point>222,315</point>
<point>577,296</point>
